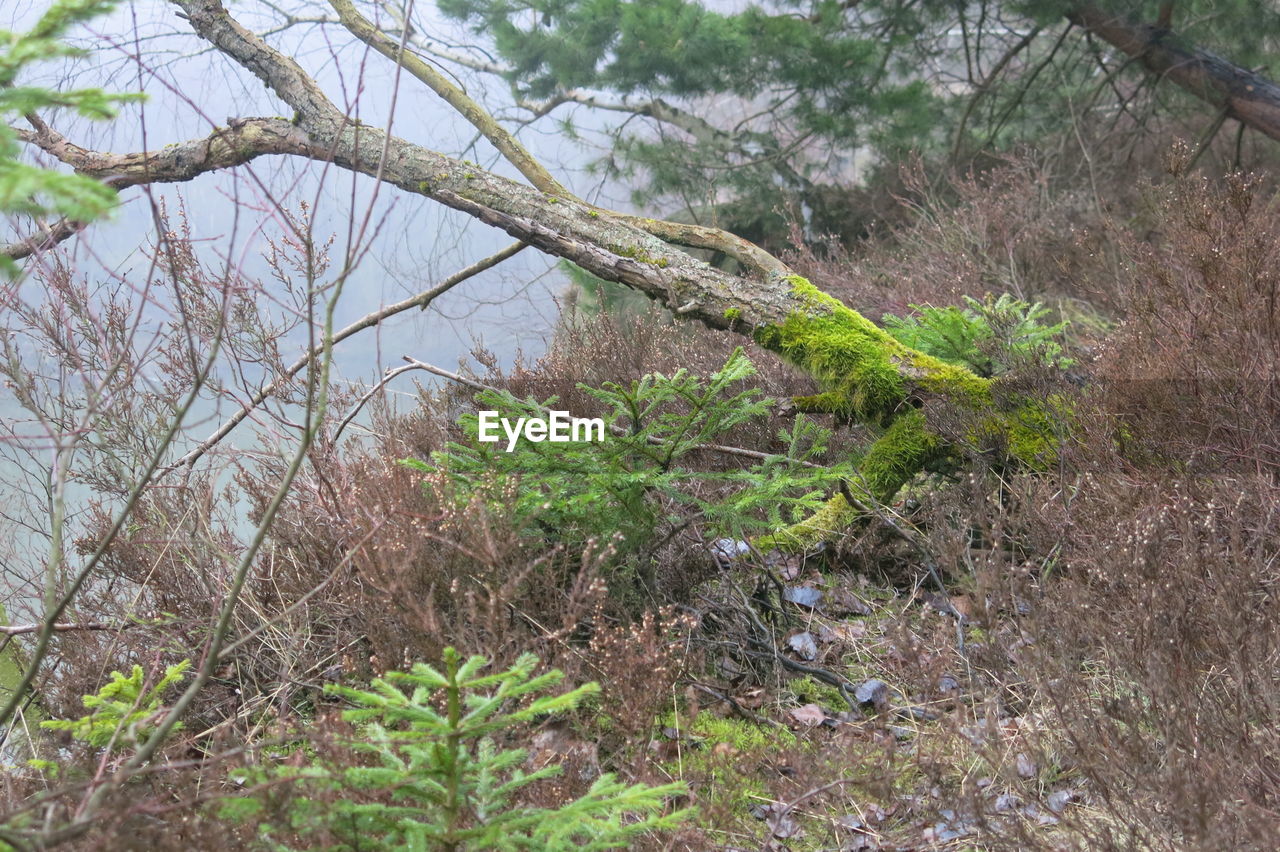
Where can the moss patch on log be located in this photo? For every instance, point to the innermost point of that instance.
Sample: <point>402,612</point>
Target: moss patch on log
<point>905,448</point>
<point>867,374</point>
<point>862,367</point>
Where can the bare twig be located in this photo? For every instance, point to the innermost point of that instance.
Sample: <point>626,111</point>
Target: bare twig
<point>62,627</point>
<point>422,300</point>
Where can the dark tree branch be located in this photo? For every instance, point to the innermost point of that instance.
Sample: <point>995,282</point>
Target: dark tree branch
<point>1242,94</point>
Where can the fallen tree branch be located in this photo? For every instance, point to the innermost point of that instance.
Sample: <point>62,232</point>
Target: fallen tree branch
<point>865,372</point>
<point>243,140</point>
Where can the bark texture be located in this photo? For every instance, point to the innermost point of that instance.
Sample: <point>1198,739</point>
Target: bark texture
<point>1238,92</point>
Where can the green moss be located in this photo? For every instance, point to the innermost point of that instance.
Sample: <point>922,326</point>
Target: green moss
<point>841,349</point>
<point>856,359</point>
<point>732,314</point>
<point>902,451</point>
<point>715,768</point>
<point>974,633</point>
<point>831,402</point>
<point>866,373</point>
<point>740,734</point>
<point>1030,438</point>
<point>823,525</point>
<point>899,454</point>
<point>638,254</point>
<point>1029,432</point>
<point>956,383</point>
<point>808,690</point>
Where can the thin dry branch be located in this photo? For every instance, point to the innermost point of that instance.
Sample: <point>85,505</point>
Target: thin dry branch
<point>694,236</point>
<point>423,300</point>
<point>510,147</point>
<point>61,627</point>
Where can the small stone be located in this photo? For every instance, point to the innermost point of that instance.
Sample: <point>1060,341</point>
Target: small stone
<point>726,550</point>
<point>1057,802</point>
<point>845,602</point>
<point>809,714</point>
<point>918,713</point>
<point>873,692</point>
<point>805,596</point>
<point>1006,803</point>
<point>804,645</point>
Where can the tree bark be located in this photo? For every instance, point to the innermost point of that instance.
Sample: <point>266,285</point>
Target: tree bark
<point>1238,92</point>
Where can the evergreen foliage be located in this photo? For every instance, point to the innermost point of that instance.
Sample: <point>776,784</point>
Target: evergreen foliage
<point>821,89</point>
<point>27,189</point>
<point>989,337</point>
<point>831,80</point>
<point>637,479</point>
<point>431,739</point>
<point>121,710</point>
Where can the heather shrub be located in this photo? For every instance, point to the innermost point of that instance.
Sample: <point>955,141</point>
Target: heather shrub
<point>1074,657</point>
<point>1149,603</point>
<point>1011,226</point>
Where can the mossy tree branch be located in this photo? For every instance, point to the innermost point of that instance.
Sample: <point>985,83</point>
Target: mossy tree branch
<point>864,372</point>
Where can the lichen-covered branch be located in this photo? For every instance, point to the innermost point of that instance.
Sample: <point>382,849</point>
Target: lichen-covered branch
<point>243,140</point>
<point>510,147</point>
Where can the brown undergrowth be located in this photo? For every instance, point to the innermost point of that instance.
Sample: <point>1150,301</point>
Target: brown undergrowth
<point>1078,658</point>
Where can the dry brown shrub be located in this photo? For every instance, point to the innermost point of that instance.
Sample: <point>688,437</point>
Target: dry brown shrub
<point>1009,227</point>
<point>1155,635</point>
